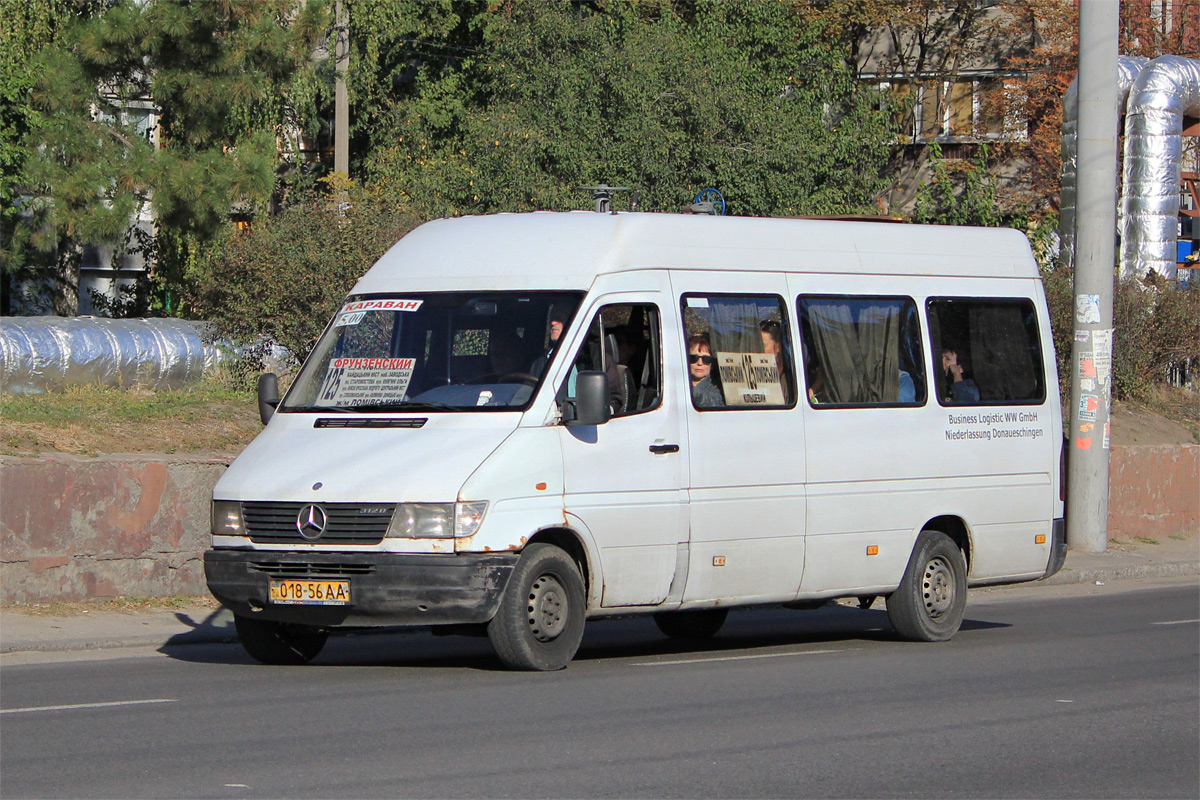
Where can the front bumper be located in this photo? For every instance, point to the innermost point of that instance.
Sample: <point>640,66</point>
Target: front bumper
<point>385,588</point>
<point>1058,547</point>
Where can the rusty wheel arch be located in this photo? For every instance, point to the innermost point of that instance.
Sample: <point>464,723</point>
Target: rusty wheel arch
<point>957,530</point>
<point>566,540</point>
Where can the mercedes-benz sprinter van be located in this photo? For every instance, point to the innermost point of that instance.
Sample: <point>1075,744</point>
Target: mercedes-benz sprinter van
<point>520,422</point>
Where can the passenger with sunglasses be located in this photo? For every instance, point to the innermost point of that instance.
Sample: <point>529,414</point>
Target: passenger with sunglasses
<point>705,393</point>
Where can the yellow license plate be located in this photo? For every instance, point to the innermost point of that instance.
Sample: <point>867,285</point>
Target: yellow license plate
<point>311,593</point>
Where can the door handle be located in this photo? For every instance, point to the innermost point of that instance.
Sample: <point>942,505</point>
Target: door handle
<point>660,449</point>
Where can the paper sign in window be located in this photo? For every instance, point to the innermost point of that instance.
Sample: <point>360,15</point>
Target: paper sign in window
<point>365,381</point>
<point>750,379</point>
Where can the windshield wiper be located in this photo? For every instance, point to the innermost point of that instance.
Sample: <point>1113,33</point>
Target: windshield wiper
<point>320,409</point>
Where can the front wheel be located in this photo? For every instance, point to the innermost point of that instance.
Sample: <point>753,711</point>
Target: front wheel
<point>929,604</point>
<point>539,624</point>
<point>279,643</point>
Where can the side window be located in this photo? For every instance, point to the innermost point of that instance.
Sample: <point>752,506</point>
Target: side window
<point>861,351</point>
<point>739,351</point>
<point>986,351</point>
<point>623,341</point>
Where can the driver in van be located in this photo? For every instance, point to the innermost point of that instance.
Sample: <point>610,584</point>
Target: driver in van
<point>558,320</point>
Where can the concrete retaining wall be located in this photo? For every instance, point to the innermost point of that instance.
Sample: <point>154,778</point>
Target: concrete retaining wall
<point>79,528</point>
<point>1153,491</point>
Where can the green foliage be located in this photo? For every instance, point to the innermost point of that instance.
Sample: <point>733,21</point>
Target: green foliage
<point>220,75</point>
<point>548,97</point>
<point>1059,285</point>
<point>1154,328</point>
<point>281,282</point>
<point>26,28</point>
<point>959,193</point>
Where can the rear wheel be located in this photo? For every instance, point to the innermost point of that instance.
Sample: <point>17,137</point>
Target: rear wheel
<point>280,643</point>
<point>928,606</point>
<point>701,623</point>
<point>539,624</point>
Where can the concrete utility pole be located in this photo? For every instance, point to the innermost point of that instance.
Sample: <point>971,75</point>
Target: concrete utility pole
<point>1095,252</point>
<point>341,104</point>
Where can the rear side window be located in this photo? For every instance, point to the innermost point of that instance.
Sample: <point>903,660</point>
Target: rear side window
<point>861,351</point>
<point>986,350</point>
<point>739,351</point>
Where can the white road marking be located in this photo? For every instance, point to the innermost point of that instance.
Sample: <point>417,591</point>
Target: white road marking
<point>731,658</point>
<point>86,705</point>
<point>1177,622</point>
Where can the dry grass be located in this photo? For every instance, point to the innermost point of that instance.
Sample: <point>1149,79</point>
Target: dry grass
<point>120,605</point>
<point>90,420</point>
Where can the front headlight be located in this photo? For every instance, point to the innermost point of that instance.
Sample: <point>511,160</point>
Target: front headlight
<point>436,520</point>
<point>227,518</point>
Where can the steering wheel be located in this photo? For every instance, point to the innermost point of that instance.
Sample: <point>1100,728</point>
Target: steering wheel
<point>507,377</point>
<point>518,377</point>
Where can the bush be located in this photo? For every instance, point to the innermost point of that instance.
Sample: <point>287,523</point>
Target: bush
<point>1059,285</point>
<point>281,282</point>
<point>1156,328</point>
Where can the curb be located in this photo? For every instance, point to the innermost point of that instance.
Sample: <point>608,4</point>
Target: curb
<point>1130,571</point>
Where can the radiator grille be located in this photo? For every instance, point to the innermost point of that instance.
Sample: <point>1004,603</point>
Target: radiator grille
<point>288,569</point>
<point>346,523</point>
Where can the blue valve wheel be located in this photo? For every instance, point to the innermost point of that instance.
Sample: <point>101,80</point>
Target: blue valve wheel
<point>712,196</point>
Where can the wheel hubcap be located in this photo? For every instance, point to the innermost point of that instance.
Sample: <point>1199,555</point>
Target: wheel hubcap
<point>938,588</point>
<point>547,608</point>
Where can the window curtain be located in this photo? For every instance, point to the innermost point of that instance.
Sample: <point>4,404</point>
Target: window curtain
<point>735,326</point>
<point>858,352</point>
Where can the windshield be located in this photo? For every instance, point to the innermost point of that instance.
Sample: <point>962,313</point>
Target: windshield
<point>461,351</point>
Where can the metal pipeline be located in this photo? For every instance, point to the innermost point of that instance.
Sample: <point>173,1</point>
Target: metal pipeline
<point>1128,68</point>
<point>40,354</point>
<point>1166,90</point>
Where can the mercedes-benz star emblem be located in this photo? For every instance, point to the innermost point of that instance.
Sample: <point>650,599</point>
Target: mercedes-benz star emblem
<point>311,522</point>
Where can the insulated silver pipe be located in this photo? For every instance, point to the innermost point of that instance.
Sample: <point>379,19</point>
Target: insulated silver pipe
<point>40,354</point>
<point>1167,89</point>
<point>1128,68</point>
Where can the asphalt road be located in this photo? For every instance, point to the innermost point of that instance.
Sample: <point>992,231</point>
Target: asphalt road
<point>1050,692</point>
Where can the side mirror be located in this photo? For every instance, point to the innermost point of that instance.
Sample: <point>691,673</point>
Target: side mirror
<point>268,395</point>
<point>591,399</point>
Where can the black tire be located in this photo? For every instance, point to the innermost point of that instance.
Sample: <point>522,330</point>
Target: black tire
<point>928,605</point>
<point>539,624</point>
<point>695,625</point>
<point>279,643</point>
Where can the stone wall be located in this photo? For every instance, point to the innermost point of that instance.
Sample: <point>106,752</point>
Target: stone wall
<point>1154,491</point>
<point>75,528</point>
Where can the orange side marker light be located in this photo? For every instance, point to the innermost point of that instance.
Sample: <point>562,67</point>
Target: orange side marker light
<point>873,550</point>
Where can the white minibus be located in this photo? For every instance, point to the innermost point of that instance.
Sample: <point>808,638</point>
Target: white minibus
<point>519,422</point>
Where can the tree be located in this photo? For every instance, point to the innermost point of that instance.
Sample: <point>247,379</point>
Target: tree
<point>665,98</point>
<point>282,281</point>
<point>228,80</point>
<point>25,30</point>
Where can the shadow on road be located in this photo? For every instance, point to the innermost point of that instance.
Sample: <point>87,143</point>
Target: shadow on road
<point>747,630</point>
